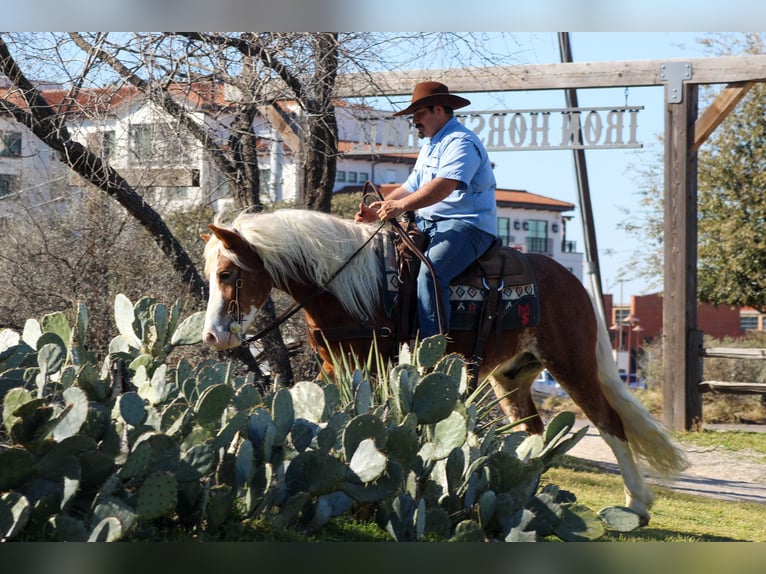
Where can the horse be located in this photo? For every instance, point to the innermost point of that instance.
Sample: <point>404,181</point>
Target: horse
<point>329,266</point>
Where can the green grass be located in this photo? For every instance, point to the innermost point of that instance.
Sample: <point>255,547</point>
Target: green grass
<point>734,441</point>
<point>676,517</point>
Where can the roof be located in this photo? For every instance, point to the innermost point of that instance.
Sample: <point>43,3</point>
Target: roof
<point>347,147</point>
<point>523,199</point>
<point>510,198</point>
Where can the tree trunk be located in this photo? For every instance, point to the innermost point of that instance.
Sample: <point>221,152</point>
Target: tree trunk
<point>322,128</point>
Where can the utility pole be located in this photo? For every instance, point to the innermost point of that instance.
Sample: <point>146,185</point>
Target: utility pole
<point>592,271</point>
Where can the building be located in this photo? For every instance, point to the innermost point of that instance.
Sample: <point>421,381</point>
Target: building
<point>752,320</point>
<point>536,224</point>
<point>632,326</point>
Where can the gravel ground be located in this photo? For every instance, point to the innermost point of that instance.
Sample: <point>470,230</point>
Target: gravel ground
<point>713,471</point>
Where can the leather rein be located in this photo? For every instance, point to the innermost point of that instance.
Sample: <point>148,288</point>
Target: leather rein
<point>235,309</point>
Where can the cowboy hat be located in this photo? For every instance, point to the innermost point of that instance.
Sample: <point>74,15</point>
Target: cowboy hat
<point>432,94</point>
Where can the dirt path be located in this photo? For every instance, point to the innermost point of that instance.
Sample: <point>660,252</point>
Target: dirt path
<point>713,471</point>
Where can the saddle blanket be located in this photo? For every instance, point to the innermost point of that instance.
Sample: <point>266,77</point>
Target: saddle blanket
<point>520,305</point>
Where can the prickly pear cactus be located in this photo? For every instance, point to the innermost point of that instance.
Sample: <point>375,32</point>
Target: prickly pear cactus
<point>198,446</point>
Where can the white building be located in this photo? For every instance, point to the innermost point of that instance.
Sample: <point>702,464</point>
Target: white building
<point>537,224</point>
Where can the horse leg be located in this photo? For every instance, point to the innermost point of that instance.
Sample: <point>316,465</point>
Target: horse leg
<point>623,422</point>
<point>511,383</point>
<point>598,410</point>
<point>638,496</point>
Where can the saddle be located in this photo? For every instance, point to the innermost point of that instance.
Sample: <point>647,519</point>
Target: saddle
<point>497,290</point>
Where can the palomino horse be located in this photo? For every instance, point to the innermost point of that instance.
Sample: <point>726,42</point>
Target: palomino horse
<point>301,252</point>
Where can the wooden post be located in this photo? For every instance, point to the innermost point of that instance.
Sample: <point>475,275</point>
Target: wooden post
<point>682,406</point>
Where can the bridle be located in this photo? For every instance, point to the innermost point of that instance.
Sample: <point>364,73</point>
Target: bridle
<point>235,309</point>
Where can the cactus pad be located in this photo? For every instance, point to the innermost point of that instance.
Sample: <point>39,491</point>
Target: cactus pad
<point>157,496</point>
<point>132,409</point>
<point>308,401</point>
<point>16,466</point>
<point>108,530</point>
<point>15,511</point>
<point>620,518</point>
<point>368,463</point>
<point>434,398</point>
<point>69,425</point>
<point>360,428</point>
<point>212,402</point>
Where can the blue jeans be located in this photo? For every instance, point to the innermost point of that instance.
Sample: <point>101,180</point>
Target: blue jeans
<point>452,246</point>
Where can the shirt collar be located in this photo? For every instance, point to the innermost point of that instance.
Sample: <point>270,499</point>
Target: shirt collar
<point>442,131</point>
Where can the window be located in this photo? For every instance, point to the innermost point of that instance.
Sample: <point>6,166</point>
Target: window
<point>141,141</point>
<point>352,177</point>
<point>10,144</point>
<point>569,247</point>
<point>504,229</point>
<point>159,145</point>
<point>748,322</point>
<point>9,184</point>
<point>620,314</point>
<point>363,176</point>
<point>264,177</point>
<point>537,236</point>
<point>340,175</point>
<point>177,192</point>
<point>107,144</point>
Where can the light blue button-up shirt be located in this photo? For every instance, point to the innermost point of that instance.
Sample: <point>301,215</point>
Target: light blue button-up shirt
<point>455,152</point>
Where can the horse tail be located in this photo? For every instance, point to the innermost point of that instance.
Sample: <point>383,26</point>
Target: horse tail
<point>646,436</point>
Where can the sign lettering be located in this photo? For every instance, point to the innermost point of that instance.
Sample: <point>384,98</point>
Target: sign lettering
<point>515,130</point>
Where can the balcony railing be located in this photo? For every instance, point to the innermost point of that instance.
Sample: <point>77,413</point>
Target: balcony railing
<point>569,247</point>
<point>542,245</point>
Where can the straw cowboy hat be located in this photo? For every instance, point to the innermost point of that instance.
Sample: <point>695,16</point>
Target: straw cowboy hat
<point>432,94</point>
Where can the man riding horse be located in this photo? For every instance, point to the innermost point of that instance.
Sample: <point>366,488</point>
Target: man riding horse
<point>452,191</point>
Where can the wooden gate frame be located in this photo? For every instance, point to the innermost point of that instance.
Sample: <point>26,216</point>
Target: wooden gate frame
<point>684,133</point>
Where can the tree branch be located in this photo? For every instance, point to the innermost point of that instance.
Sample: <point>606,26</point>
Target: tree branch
<point>41,119</point>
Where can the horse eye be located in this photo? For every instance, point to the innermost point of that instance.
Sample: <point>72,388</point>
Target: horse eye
<point>225,275</point>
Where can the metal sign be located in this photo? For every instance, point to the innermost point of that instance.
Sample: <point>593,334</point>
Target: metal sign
<point>514,130</point>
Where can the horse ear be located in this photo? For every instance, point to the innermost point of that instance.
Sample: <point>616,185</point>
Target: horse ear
<point>205,237</point>
<point>228,237</point>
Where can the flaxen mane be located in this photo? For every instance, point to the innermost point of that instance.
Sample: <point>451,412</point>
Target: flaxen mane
<point>314,245</point>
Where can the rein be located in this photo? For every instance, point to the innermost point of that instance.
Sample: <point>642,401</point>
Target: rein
<point>404,236</point>
<point>296,306</point>
<point>236,327</point>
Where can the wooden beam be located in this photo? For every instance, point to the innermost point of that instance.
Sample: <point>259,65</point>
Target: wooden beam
<point>727,353</point>
<point>720,70</point>
<point>681,404</point>
<point>284,129</point>
<point>712,117</point>
<point>733,388</point>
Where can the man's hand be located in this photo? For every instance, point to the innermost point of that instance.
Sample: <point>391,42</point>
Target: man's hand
<point>366,214</point>
<point>388,209</point>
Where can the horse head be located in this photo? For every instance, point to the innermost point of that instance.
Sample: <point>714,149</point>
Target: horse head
<point>239,286</point>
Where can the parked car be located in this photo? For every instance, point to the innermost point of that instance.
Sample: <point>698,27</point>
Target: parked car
<point>545,384</point>
<point>634,381</point>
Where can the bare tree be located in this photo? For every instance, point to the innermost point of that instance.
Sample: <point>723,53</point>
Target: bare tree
<point>184,75</point>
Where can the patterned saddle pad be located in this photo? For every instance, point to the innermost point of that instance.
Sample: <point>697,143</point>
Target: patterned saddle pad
<point>506,270</point>
<point>469,291</point>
